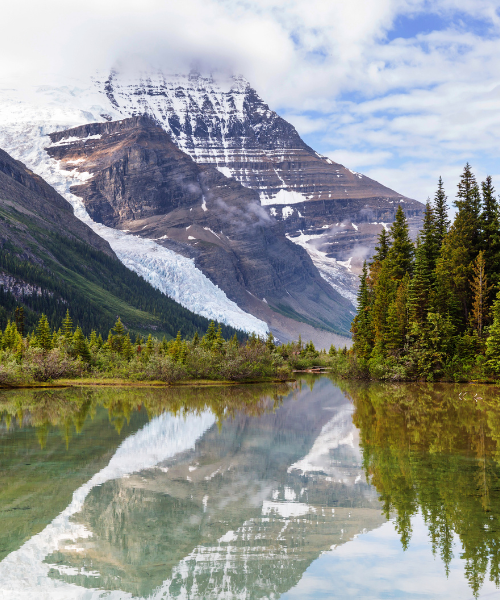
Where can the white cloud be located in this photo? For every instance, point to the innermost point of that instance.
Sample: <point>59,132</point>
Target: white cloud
<point>354,91</point>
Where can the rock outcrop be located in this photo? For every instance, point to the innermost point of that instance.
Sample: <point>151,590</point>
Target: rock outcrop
<point>136,179</point>
<point>226,124</point>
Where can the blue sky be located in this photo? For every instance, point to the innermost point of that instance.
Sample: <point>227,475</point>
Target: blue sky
<point>401,90</point>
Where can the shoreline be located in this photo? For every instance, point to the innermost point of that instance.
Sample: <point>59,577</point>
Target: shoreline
<point>69,383</point>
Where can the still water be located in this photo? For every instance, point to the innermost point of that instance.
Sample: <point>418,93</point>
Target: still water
<point>309,490</point>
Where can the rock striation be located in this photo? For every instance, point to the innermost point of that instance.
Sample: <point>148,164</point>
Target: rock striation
<point>226,124</point>
<point>135,178</point>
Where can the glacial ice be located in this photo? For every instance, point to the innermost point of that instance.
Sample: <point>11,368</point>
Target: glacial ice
<point>24,128</point>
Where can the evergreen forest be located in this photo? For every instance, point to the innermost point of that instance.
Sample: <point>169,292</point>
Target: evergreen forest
<point>430,309</point>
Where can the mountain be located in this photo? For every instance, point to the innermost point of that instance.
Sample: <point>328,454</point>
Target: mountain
<point>51,261</point>
<point>333,213</point>
<point>137,179</point>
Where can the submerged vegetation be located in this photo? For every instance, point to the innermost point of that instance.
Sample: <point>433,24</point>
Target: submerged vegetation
<point>431,310</point>
<point>46,355</point>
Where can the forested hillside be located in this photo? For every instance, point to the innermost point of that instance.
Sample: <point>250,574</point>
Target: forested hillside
<point>50,262</point>
<point>432,309</point>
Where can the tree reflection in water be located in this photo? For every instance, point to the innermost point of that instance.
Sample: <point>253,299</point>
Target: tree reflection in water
<point>435,448</point>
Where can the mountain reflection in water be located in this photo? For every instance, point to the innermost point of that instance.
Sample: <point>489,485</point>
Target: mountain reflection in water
<point>247,492</point>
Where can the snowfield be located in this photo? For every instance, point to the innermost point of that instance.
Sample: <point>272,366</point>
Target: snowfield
<point>24,128</point>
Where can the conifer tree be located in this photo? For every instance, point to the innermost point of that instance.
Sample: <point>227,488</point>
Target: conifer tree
<point>361,324</point>
<point>270,342</point>
<point>397,318</point>
<point>116,335</point>
<point>43,335</point>
<point>385,291</point>
<point>401,252</point>
<point>19,318</point>
<point>211,333</point>
<point>480,291</point>
<point>467,222</point>
<point>420,286</point>
<point>127,348</point>
<point>218,343</point>
<point>93,341</point>
<point>150,346</point>
<point>11,336</point>
<point>332,351</point>
<point>196,339</point>
<point>80,345</point>
<point>67,326</point>
<point>490,231</point>
<point>183,354</point>
<point>493,340</point>
<point>382,249</point>
<point>429,238</point>
<point>441,214</point>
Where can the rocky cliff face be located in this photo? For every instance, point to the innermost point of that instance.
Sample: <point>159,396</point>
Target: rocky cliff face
<point>334,213</point>
<point>138,180</point>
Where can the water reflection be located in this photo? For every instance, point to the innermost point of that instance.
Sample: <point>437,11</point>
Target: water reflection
<point>250,492</point>
<point>207,503</point>
<point>434,450</point>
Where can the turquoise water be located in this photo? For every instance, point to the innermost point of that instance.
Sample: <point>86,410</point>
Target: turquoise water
<point>308,490</point>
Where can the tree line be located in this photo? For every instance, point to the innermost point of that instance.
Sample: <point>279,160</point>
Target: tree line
<point>431,309</point>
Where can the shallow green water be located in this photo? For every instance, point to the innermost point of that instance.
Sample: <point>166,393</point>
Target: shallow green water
<point>314,490</point>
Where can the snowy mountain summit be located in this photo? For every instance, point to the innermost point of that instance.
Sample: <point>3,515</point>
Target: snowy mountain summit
<point>221,123</point>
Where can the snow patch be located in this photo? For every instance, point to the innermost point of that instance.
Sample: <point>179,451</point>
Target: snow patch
<point>283,197</point>
<point>226,171</point>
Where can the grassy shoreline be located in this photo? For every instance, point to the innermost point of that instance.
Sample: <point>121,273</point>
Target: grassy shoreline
<point>120,382</point>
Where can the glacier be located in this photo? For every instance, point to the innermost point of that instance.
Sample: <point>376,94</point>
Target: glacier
<point>24,128</point>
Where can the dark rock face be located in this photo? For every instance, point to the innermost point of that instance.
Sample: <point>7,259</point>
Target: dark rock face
<point>226,124</point>
<point>142,182</point>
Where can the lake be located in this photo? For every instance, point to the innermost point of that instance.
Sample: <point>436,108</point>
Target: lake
<point>315,489</point>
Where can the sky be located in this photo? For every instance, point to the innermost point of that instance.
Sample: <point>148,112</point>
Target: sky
<point>401,90</point>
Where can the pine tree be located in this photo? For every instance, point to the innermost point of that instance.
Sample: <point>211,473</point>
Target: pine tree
<point>211,333</point>
<point>196,339</point>
<point>175,348</point>
<point>480,291</point>
<point>11,336</point>
<point>43,335</point>
<point>19,318</point>
<point>420,287</point>
<point>150,346</point>
<point>493,339</point>
<point>93,341</point>
<point>401,252</point>
<point>385,291</point>
<point>468,218</point>
<point>183,354</point>
<point>441,214</point>
<point>383,247</point>
<point>67,326</point>
<point>127,348</point>
<point>218,343</point>
<point>397,318</point>
<point>430,240</point>
<point>80,345</point>
<point>490,231</point>
<point>332,351</point>
<point>116,336</point>
<point>270,342</point>
<point>361,324</point>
